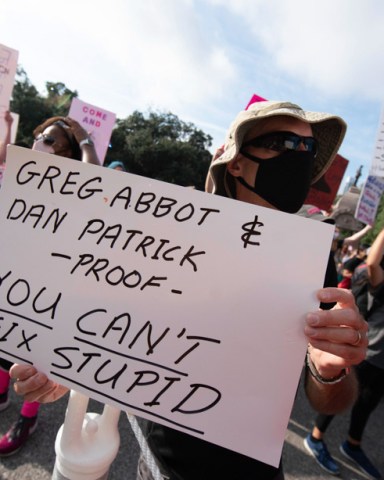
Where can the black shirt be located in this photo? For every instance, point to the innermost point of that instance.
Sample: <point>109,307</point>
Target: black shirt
<point>184,457</point>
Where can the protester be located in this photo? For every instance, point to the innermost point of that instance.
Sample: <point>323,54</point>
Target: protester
<point>273,152</point>
<point>370,373</point>
<point>64,136</point>
<point>117,165</point>
<point>3,143</point>
<point>349,266</point>
<point>343,248</point>
<point>67,138</point>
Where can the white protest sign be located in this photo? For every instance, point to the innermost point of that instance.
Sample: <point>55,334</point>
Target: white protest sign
<point>179,306</point>
<point>15,126</point>
<point>8,65</point>
<point>369,200</point>
<point>377,165</point>
<point>96,121</point>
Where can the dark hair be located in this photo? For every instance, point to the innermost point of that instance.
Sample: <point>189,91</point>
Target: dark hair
<point>352,263</point>
<point>61,123</point>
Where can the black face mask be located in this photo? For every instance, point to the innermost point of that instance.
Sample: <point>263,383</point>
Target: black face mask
<point>283,181</point>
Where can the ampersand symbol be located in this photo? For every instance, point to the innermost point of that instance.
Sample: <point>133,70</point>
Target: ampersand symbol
<point>250,229</point>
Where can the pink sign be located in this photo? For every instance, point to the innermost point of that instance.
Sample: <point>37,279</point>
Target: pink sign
<point>8,65</point>
<point>255,98</point>
<point>98,123</point>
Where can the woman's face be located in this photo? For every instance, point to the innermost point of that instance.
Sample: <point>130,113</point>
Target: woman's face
<point>53,140</point>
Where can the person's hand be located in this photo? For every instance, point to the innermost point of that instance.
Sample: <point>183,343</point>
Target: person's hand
<point>8,118</point>
<point>34,386</point>
<point>337,337</point>
<point>78,131</point>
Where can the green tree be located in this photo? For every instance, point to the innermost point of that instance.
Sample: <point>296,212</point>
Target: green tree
<point>30,105</point>
<point>155,145</point>
<point>34,108</point>
<point>59,98</point>
<point>162,146</point>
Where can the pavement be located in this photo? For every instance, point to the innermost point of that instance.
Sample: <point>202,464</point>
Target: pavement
<point>35,461</point>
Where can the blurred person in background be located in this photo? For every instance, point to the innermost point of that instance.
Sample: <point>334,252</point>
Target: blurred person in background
<point>65,137</point>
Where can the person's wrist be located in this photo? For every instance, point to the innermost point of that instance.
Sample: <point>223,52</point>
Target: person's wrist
<point>325,376</point>
<point>86,142</point>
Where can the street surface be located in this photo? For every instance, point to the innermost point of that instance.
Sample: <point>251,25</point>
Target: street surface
<point>36,460</point>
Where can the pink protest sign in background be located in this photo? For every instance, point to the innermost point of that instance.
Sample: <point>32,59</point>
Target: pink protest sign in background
<point>8,65</point>
<point>97,121</point>
<point>255,98</point>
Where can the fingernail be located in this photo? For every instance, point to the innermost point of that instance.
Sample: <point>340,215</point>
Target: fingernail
<point>311,332</point>
<point>313,319</point>
<point>324,295</point>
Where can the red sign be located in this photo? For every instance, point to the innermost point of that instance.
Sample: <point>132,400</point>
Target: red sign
<point>324,191</point>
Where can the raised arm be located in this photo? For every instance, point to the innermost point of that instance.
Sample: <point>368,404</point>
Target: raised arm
<point>88,151</point>
<point>356,237</point>
<point>375,255</point>
<point>7,139</point>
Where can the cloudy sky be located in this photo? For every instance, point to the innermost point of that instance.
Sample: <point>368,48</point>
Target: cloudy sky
<point>203,59</point>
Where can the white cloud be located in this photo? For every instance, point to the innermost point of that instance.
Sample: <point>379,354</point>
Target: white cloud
<point>142,52</point>
<point>334,46</point>
<point>203,59</point>
<point>160,51</point>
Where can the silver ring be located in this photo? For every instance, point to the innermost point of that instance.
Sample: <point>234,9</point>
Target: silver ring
<point>359,338</point>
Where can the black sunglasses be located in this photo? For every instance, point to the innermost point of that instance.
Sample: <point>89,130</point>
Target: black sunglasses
<point>47,139</point>
<point>282,141</point>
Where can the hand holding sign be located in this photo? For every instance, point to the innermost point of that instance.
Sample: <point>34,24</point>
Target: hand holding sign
<point>168,348</point>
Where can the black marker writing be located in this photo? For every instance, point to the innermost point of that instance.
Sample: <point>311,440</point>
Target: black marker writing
<point>147,202</point>
<point>37,214</point>
<point>20,292</point>
<point>114,236</point>
<point>52,180</point>
<point>250,229</point>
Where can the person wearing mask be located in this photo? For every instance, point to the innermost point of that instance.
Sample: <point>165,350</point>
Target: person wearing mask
<point>273,152</point>
<point>65,137</point>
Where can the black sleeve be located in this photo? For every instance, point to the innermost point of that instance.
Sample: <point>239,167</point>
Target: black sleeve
<point>330,279</point>
<point>5,365</point>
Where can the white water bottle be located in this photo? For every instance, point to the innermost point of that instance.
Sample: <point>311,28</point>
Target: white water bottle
<point>87,443</point>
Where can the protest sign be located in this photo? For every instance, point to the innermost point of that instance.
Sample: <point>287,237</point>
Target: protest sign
<point>96,121</point>
<point>255,98</point>
<point>8,65</point>
<point>176,305</point>
<point>377,166</point>
<point>369,200</point>
<point>324,191</point>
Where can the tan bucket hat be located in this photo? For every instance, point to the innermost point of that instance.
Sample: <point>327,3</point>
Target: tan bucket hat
<point>329,131</point>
